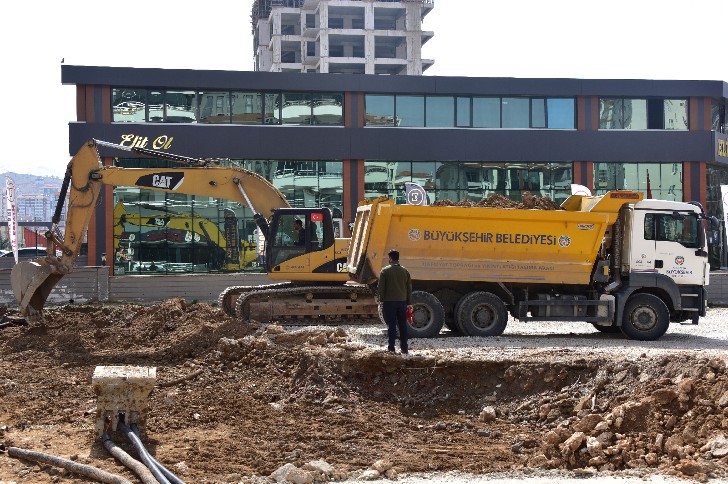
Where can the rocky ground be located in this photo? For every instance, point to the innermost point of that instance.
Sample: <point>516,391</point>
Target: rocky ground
<point>240,402</point>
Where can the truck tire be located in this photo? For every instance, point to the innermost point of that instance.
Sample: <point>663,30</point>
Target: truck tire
<point>646,317</point>
<point>482,314</point>
<point>428,315</point>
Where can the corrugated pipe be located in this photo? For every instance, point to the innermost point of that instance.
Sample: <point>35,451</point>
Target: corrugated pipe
<point>167,473</point>
<point>143,454</point>
<point>71,466</point>
<point>129,462</point>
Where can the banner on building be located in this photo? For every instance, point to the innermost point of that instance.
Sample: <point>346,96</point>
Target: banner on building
<point>580,190</point>
<point>12,216</point>
<point>415,194</point>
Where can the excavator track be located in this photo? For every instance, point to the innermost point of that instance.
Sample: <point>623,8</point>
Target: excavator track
<point>226,299</point>
<point>295,305</point>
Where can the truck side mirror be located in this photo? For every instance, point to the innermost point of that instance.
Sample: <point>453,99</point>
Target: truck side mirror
<point>714,223</point>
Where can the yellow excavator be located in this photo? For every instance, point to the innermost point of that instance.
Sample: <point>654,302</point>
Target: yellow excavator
<point>226,251</point>
<point>300,245</point>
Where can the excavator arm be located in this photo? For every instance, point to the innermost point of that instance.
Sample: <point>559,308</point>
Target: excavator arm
<point>32,282</point>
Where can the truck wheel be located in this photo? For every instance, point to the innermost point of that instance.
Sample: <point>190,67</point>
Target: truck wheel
<point>428,315</point>
<point>646,317</point>
<point>482,314</point>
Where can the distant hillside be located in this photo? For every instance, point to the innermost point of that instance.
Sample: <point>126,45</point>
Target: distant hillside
<point>30,184</point>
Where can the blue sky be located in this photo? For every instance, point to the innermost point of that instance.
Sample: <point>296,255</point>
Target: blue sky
<point>645,39</point>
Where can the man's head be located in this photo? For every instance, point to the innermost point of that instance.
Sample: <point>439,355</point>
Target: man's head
<point>393,255</point>
<point>298,224</point>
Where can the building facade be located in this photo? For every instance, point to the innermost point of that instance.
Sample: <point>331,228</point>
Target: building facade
<point>342,36</point>
<point>333,140</point>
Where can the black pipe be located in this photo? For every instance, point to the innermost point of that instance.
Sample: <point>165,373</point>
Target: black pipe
<point>62,196</point>
<point>143,454</point>
<point>167,473</point>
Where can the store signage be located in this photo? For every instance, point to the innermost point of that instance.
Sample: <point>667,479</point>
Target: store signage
<point>722,148</point>
<point>163,142</point>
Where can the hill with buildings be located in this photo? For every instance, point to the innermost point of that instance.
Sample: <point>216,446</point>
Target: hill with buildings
<point>36,196</point>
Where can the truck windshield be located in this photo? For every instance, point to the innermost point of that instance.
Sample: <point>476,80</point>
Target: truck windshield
<point>665,227</point>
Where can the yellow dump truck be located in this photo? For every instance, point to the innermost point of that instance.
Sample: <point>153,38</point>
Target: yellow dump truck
<point>616,261</point>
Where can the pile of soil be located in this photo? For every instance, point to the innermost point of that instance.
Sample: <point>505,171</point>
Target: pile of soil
<point>234,401</point>
<point>529,201</point>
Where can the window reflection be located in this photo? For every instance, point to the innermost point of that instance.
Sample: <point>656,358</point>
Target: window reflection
<point>180,107</point>
<point>215,107</point>
<point>379,110</point>
<point>486,112</point>
<point>410,110</point>
<point>676,114</point>
<point>440,112</point>
<point>515,112</point>
<point>617,113</point>
<point>129,105</point>
<point>157,232</point>
<point>660,180</point>
<point>156,106</point>
<point>456,180</point>
<point>247,107</point>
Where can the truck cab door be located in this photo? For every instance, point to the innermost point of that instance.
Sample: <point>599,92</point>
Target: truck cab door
<point>679,251</point>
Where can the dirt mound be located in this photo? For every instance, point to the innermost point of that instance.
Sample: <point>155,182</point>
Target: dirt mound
<point>234,401</point>
<point>499,201</point>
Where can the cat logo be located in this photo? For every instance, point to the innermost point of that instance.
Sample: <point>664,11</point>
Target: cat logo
<point>164,180</point>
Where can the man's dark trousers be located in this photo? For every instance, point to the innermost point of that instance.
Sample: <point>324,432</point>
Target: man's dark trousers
<point>395,314</point>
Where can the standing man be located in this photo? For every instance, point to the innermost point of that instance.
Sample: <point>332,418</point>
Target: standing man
<point>395,294</point>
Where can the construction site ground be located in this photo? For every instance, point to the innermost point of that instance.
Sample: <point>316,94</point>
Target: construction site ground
<point>237,402</point>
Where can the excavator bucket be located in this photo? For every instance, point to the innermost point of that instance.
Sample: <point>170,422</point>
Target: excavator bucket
<point>32,283</point>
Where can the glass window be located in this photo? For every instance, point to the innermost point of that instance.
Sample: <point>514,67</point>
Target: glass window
<point>463,112</point>
<point>247,107</point>
<point>156,106</point>
<point>538,113</point>
<point>683,229</point>
<point>615,113</point>
<point>181,107</point>
<point>656,180</point>
<point>214,107</point>
<point>635,113</point>
<point>410,110</point>
<point>610,113</point>
<point>129,105</point>
<point>515,112</point>
<point>296,108</point>
<point>272,107</point>
<point>676,114</point>
<point>486,112</point>
<point>440,112</point>
<point>561,113</point>
<point>379,110</point>
<point>328,109</point>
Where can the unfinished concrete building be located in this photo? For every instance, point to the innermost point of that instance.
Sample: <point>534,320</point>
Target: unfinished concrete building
<point>340,36</point>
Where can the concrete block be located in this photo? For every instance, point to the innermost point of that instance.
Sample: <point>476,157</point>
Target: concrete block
<point>122,392</point>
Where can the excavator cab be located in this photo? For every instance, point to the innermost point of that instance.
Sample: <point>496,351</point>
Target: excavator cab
<point>299,240</point>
